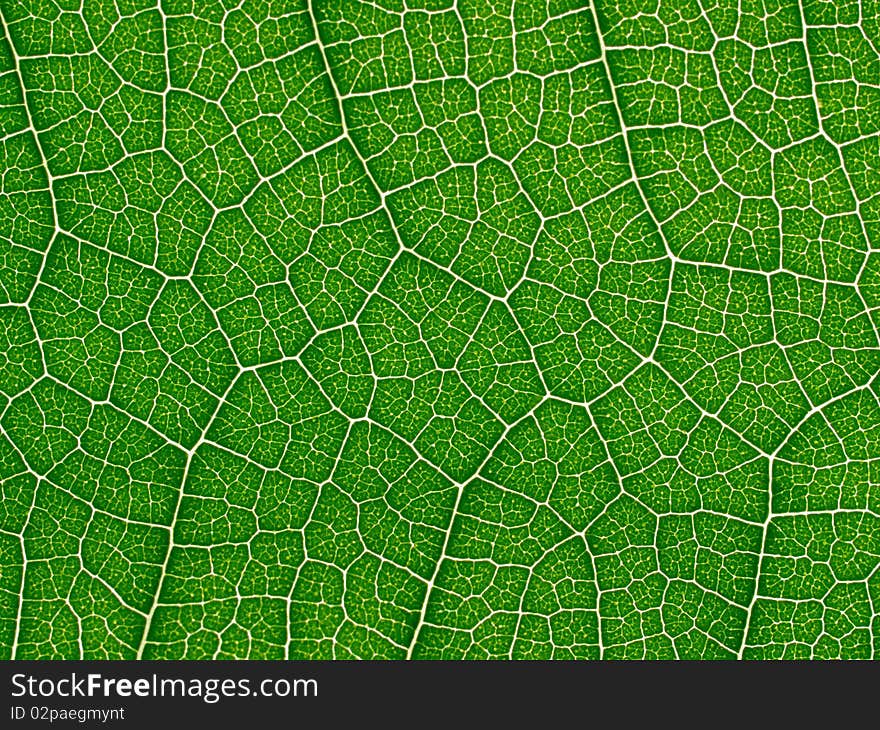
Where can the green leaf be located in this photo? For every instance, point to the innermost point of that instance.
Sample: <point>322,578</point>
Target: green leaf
<point>434,329</point>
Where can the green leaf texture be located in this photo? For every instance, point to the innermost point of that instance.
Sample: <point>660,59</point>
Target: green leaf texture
<point>440,329</point>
